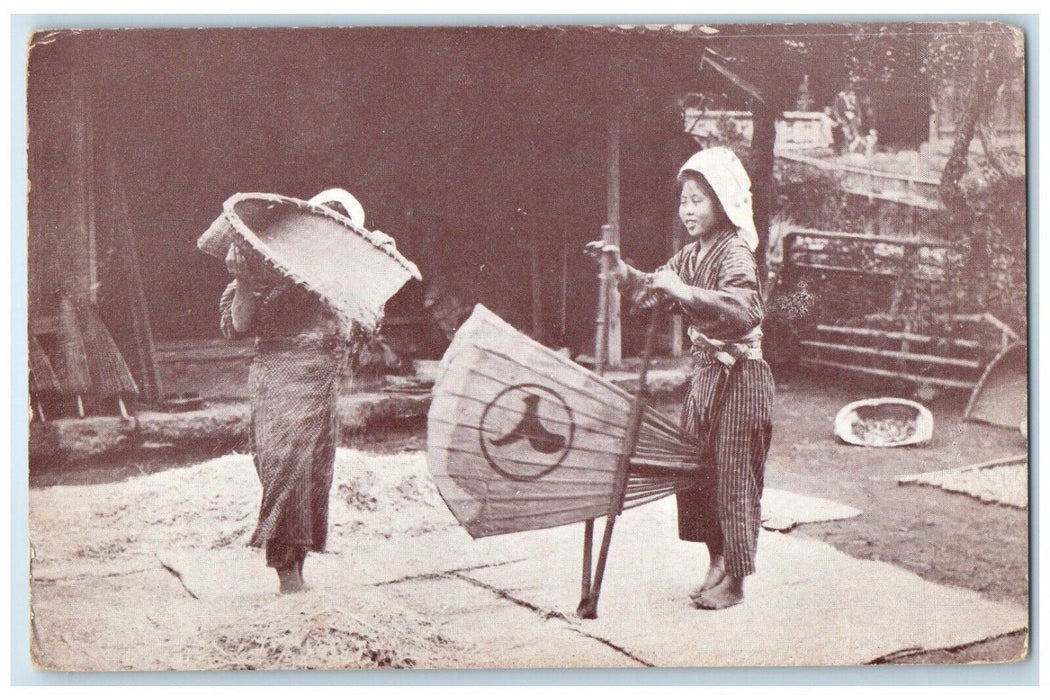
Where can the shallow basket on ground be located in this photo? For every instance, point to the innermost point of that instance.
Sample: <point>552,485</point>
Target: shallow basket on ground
<point>884,422</point>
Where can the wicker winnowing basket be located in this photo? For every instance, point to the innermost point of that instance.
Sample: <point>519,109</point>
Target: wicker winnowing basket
<point>349,267</point>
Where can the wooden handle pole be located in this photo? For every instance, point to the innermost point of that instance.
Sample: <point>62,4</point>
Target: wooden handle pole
<point>601,341</point>
<point>588,549</point>
<point>588,609</point>
<point>601,352</point>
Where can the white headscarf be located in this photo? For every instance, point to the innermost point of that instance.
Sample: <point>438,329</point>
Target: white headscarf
<point>727,177</point>
<point>349,202</point>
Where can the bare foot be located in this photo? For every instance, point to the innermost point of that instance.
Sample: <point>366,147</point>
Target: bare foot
<point>291,581</point>
<point>727,593</point>
<point>715,575</point>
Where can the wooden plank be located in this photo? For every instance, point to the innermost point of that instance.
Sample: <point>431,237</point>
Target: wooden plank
<point>721,64</point>
<point>192,344</point>
<point>928,243</point>
<point>955,383</point>
<point>601,323</point>
<point>910,356</point>
<point>677,237</point>
<point>90,197</point>
<point>844,270</point>
<point>868,172</point>
<point>78,277</point>
<point>909,199</point>
<point>151,386</point>
<point>205,354</point>
<point>985,318</point>
<point>897,335</point>
<point>563,294</point>
<point>1005,329</point>
<point>539,330</point>
<point>1001,462</point>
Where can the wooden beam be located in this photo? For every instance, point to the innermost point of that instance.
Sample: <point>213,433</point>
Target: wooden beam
<point>903,242</point>
<point>955,383</point>
<point>90,195</point>
<point>601,323</point>
<point>845,270</point>
<point>721,64</point>
<point>563,302</point>
<point>80,245</point>
<point>894,354</point>
<point>677,238</point>
<point>615,127</point>
<point>536,275</point>
<point>1000,462</point>
<point>762,161</point>
<point>896,335</point>
<point>145,350</point>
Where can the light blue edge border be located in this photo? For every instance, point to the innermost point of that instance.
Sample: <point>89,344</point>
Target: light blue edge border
<point>22,672</point>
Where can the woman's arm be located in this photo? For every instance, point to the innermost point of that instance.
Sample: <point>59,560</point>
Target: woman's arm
<point>634,285</point>
<point>731,310</point>
<point>226,312</point>
<point>245,303</point>
<point>728,307</point>
<point>243,297</point>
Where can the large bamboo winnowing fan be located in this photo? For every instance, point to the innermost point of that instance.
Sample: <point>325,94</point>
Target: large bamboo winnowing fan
<point>348,266</point>
<point>522,438</point>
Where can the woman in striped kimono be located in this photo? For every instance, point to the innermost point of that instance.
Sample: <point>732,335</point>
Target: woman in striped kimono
<point>300,352</point>
<point>714,282</point>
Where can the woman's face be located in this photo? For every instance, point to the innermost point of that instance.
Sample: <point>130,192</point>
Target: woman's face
<point>699,208</point>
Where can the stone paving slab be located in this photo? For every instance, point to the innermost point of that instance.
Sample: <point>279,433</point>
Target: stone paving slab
<point>808,603</point>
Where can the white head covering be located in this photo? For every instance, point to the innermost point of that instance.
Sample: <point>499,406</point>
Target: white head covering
<point>727,177</point>
<point>349,202</point>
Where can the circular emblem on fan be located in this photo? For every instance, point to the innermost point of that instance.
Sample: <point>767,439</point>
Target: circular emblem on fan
<point>526,431</point>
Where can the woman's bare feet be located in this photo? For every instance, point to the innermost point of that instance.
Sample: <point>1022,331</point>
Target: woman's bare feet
<point>715,573</point>
<point>291,580</point>
<point>727,593</point>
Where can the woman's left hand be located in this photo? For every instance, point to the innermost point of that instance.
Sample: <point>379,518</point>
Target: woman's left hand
<point>669,283</point>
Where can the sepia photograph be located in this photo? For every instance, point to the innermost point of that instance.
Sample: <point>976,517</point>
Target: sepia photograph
<point>527,346</point>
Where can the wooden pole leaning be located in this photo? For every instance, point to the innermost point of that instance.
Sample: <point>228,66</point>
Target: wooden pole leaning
<point>588,608</point>
<point>601,353</point>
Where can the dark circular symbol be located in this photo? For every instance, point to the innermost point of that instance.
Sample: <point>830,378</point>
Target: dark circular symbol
<point>526,431</point>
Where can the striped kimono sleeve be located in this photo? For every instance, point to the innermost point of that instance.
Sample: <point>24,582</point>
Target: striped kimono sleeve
<point>737,307</point>
<point>637,288</point>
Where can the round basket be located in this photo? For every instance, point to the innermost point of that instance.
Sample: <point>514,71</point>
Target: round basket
<point>884,422</point>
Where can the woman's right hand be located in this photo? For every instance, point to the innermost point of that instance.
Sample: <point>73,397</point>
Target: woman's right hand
<point>249,273</point>
<point>237,262</point>
<point>595,249</point>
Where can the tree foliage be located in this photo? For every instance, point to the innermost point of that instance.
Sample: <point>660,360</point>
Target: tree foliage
<point>984,198</point>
